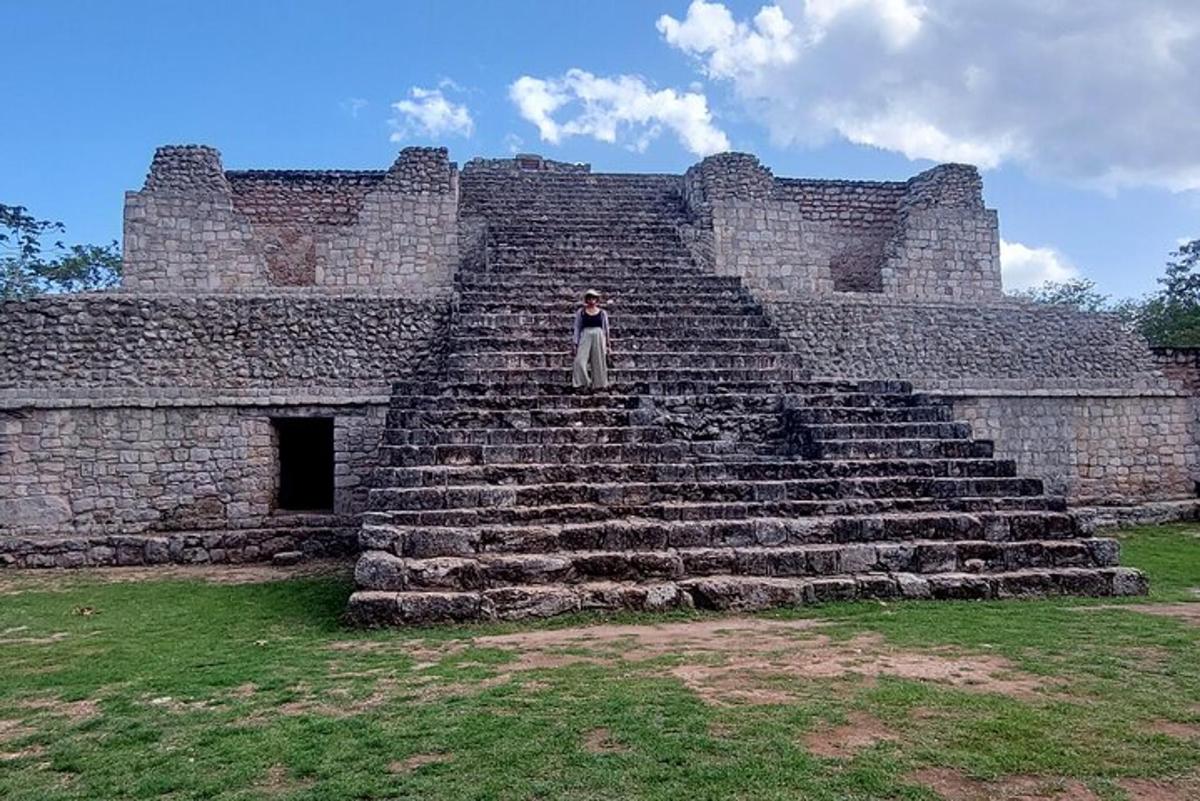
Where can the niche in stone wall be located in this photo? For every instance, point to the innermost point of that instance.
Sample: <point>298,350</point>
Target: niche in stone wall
<point>291,258</point>
<point>304,455</point>
<point>857,269</point>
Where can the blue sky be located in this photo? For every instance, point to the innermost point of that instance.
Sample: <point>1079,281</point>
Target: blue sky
<point>1093,155</point>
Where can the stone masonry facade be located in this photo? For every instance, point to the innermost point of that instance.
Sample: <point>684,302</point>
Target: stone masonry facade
<point>194,227</point>
<point>142,425</point>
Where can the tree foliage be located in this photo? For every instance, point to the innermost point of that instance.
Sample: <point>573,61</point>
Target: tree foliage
<point>1078,293</point>
<point>34,259</point>
<point>1169,317</point>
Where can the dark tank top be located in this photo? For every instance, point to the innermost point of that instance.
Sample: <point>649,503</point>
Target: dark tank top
<point>592,320</point>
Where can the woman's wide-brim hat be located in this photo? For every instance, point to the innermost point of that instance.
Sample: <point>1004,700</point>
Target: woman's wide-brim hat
<point>591,293</point>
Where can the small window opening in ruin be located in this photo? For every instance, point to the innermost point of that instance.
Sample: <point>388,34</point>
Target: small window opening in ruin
<point>529,162</point>
<point>305,457</point>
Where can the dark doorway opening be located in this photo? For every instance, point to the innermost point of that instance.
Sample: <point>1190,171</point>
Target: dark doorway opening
<point>305,463</point>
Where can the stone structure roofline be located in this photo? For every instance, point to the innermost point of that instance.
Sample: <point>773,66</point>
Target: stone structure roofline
<point>194,168</point>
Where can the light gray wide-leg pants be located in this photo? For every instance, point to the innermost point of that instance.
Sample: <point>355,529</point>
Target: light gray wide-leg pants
<point>591,369</point>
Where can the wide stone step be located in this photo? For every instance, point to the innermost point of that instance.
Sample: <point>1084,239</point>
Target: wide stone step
<point>642,305</point>
<point>562,291</point>
<point>656,225</point>
<point>529,474</point>
<point>884,431</point>
<point>627,377</point>
<point>731,404</point>
<point>561,453</point>
<point>559,342</point>
<point>381,570</point>
<point>660,321</point>
<point>635,360</point>
<point>542,283</point>
<point>612,236</point>
<point>575,435</point>
<point>728,491</point>
<point>905,449</point>
<point>698,510</point>
<point>729,593</point>
<point>501,402</point>
<point>580,245</point>
<point>584,265</point>
<point>803,389</point>
<point>519,418</point>
<point>505,337</point>
<point>759,417</point>
<point>640,533</point>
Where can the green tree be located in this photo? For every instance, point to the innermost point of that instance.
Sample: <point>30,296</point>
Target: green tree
<point>1171,317</point>
<point>29,265</point>
<point>1078,293</point>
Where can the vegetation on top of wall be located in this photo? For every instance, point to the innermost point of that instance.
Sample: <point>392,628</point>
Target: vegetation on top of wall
<point>1169,317</point>
<point>28,265</point>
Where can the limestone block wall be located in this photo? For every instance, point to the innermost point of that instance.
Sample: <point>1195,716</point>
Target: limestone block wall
<point>929,237</point>
<point>1072,397</point>
<point>1095,448</point>
<point>946,244</point>
<point>168,481</point>
<point>196,228</point>
<point>117,343</point>
<point>140,429</point>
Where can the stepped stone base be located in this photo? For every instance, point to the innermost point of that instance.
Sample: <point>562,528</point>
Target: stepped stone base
<point>733,593</point>
<point>714,473</point>
<point>181,548</point>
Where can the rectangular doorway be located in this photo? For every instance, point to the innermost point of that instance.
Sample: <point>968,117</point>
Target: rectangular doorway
<point>305,459</point>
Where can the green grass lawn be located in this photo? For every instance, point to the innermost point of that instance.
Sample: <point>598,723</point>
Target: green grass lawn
<point>185,689</point>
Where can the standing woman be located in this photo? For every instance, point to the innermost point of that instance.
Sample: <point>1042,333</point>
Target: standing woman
<point>591,344</point>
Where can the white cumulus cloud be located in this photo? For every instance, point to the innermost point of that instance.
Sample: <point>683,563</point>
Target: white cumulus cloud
<point>1102,93</point>
<point>618,110</point>
<point>429,112</point>
<point>1025,267</point>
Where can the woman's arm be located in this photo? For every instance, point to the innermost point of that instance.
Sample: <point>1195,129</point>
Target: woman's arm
<point>578,327</point>
<point>604,324</point>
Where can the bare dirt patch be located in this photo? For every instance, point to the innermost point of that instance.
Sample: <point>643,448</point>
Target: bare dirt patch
<point>23,753</point>
<point>409,764</point>
<point>601,741</point>
<point>842,742</point>
<point>15,581</point>
<point>1187,612</point>
<point>1172,728</point>
<point>1157,790</point>
<point>954,786</point>
<point>11,730</point>
<point>339,702</point>
<point>746,660</point>
<point>279,781</point>
<point>74,711</point>
<point>16,636</point>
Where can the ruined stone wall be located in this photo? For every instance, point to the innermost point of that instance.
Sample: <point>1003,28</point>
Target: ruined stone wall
<point>196,228</point>
<point>1181,365</point>
<point>1095,448</point>
<point>120,341</point>
<point>929,237</point>
<point>946,345</point>
<point>1072,397</point>
<point>947,245</point>
<point>143,425</point>
<point>846,226</point>
<point>168,482</point>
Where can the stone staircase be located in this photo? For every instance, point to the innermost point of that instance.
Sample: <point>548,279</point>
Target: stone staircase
<point>713,473</point>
